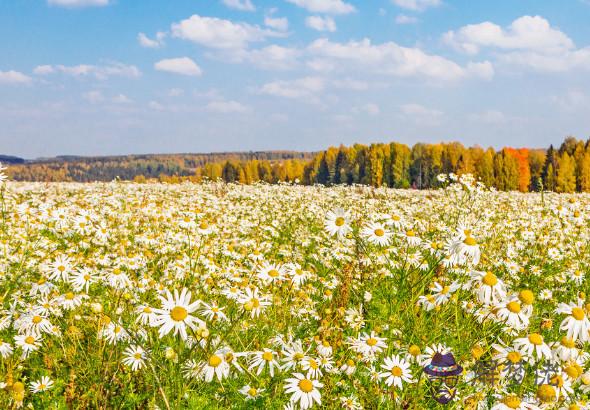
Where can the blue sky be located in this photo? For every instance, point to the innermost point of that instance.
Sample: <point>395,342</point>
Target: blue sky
<point>97,77</point>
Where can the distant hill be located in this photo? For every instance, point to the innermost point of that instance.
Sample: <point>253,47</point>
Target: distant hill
<point>9,159</point>
<point>127,167</point>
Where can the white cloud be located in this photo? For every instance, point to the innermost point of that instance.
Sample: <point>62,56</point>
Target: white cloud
<point>43,70</point>
<point>277,23</point>
<point>86,70</point>
<point>552,62</point>
<point>351,84</point>
<point>321,65</point>
<point>529,42</point>
<point>220,33</point>
<point>226,107</point>
<point>572,100</point>
<point>14,77</point>
<point>324,6</point>
<point>525,33</point>
<point>272,57</point>
<point>175,92</point>
<point>321,23</point>
<point>390,58</point>
<point>147,42</point>
<point>370,109</point>
<point>94,96</point>
<point>122,99</point>
<point>484,70</point>
<point>417,5</point>
<point>489,117</point>
<point>302,87</point>
<point>78,3</point>
<point>403,19</point>
<point>242,5</point>
<point>181,65</point>
<point>421,115</point>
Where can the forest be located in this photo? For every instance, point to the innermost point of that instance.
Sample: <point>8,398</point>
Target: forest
<point>562,169</point>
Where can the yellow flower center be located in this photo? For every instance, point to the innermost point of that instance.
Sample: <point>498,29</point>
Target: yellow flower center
<point>252,391</point>
<point>305,385</point>
<point>513,306</point>
<point>445,290</point>
<point>37,319</point>
<point>568,342</point>
<point>379,232</point>
<point>69,296</point>
<point>557,380</point>
<point>396,371</point>
<point>469,241</point>
<point>546,393</point>
<point>267,356</point>
<point>371,341</point>
<point>313,364</point>
<point>178,313</point>
<point>574,371</point>
<point>395,218</point>
<point>512,401</point>
<point>490,279</point>
<point>410,233</point>
<point>214,361</point>
<point>414,350</point>
<point>578,313</point>
<point>298,356</point>
<point>147,309</point>
<point>273,273</point>
<point>526,297</point>
<point>536,339</point>
<point>137,356</point>
<point>339,221</point>
<point>514,357</point>
<point>61,268</point>
<point>29,340</point>
<point>203,225</point>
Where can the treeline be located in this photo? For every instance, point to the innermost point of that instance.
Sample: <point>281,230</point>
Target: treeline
<point>565,169</point>
<point>165,167</point>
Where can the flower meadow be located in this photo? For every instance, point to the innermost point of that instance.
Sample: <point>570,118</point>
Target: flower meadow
<point>215,296</point>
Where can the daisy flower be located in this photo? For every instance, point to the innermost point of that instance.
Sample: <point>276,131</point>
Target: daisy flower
<point>215,366</point>
<point>252,302</point>
<point>44,384</point>
<point>533,344</point>
<point>304,390</point>
<point>576,323</point>
<point>262,359</point>
<point>398,371</point>
<point>337,222</point>
<point>488,287</point>
<point>376,233</point>
<point>176,313</point>
<point>250,393</point>
<point>134,356</point>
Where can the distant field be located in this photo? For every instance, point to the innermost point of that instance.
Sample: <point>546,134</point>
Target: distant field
<point>210,296</point>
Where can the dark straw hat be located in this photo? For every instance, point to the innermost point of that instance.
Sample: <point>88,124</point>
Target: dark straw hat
<point>443,365</point>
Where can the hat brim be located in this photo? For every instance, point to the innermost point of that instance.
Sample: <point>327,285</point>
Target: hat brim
<point>431,372</point>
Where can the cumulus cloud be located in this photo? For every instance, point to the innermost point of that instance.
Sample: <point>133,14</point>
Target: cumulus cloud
<point>525,33</point>
<point>321,23</point>
<point>417,5</point>
<point>403,19</point>
<point>298,88</point>
<point>277,23</point>
<point>421,114</point>
<point>225,107</point>
<point>78,3</point>
<point>94,96</point>
<point>242,5</point>
<point>530,42</point>
<point>147,42</point>
<point>181,65</point>
<point>219,33</point>
<point>370,109</point>
<point>393,59</point>
<point>101,72</point>
<point>324,6</point>
<point>14,77</point>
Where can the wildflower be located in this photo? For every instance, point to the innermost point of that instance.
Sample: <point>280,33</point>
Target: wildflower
<point>304,391</point>
<point>337,222</point>
<point>176,313</point>
<point>398,370</point>
<point>134,356</point>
